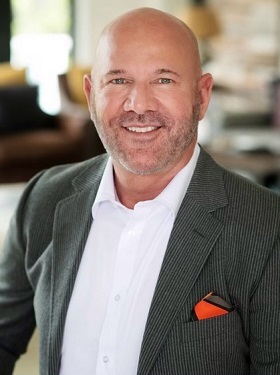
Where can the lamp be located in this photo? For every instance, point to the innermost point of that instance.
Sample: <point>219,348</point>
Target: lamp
<point>203,22</point>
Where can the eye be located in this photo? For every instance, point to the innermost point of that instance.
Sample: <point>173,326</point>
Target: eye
<point>118,81</point>
<point>165,80</point>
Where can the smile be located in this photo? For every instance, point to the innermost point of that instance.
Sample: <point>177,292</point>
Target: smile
<point>142,129</point>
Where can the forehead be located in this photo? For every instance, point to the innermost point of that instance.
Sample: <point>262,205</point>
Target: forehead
<point>133,50</point>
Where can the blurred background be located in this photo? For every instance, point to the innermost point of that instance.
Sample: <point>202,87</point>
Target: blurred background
<point>46,46</point>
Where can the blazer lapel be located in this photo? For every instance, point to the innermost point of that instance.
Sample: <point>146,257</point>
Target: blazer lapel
<point>72,224</point>
<point>194,234</point>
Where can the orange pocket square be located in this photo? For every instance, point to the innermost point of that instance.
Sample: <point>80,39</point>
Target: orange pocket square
<point>211,306</point>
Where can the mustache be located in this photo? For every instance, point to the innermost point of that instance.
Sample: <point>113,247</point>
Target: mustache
<point>149,117</point>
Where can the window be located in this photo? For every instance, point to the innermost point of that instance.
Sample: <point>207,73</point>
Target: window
<point>41,42</point>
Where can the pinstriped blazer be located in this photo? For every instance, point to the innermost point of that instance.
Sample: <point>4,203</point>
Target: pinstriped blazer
<point>225,239</point>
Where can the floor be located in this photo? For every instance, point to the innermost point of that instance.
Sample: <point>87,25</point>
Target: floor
<point>9,196</point>
<point>28,364</point>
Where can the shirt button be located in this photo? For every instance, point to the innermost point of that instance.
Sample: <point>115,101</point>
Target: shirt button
<point>105,359</point>
<point>117,297</point>
<point>131,233</point>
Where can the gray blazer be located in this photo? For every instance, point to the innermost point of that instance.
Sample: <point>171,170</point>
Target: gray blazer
<point>225,239</point>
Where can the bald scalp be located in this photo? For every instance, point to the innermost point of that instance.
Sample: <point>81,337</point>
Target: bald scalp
<point>151,23</point>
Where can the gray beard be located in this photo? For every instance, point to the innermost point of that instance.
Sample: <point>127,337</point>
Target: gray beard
<point>175,152</point>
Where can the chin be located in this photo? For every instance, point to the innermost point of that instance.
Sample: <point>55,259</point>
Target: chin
<point>141,168</point>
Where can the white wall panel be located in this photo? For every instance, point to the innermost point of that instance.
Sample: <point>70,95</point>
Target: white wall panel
<point>93,15</point>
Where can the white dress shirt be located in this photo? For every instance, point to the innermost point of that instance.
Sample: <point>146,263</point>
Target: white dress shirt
<point>117,276</point>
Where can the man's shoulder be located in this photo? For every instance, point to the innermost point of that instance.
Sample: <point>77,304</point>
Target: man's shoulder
<point>62,181</point>
<point>246,190</point>
<point>69,172</point>
<point>236,183</point>
<point>219,187</point>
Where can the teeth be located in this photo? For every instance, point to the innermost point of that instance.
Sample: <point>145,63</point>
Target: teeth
<point>142,130</point>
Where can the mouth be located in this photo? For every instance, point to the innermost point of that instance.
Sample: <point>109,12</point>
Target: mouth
<point>142,129</point>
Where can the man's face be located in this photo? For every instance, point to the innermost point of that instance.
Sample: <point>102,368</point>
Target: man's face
<point>145,102</point>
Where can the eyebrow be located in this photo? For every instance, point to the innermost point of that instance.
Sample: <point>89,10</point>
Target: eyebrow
<point>115,72</point>
<point>167,71</point>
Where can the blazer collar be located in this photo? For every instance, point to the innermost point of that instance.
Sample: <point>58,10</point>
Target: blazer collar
<point>207,185</point>
<point>91,175</point>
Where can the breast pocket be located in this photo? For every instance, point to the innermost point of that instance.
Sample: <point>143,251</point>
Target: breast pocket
<point>208,329</point>
<point>215,345</point>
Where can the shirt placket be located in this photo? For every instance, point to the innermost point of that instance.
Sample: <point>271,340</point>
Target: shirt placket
<point>106,360</point>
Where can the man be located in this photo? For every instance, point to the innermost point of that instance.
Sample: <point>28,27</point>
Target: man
<point>154,261</point>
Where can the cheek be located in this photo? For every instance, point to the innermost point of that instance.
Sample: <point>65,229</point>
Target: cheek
<point>177,108</point>
<point>108,105</point>
<point>177,102</point>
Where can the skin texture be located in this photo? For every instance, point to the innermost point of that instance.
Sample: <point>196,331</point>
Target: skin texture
<point>146,96</point>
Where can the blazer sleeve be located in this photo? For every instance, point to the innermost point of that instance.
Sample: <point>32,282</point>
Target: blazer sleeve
<point>17,318</point>
<point>265,318</point>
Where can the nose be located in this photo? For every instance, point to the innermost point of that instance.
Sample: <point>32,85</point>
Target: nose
<point>140,99</point>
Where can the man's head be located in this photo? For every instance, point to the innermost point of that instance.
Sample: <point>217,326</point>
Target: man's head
<point>147,92</point>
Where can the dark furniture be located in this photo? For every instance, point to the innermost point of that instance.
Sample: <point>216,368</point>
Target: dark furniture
<point>31,140</point>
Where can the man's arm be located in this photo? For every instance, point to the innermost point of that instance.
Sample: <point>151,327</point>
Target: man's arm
<point>265,319</point>
<point>17,321</point>
<point>7,362</point>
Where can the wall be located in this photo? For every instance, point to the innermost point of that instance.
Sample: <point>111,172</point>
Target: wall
<point>93,15</point>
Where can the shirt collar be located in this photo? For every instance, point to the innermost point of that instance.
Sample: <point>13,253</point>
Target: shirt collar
<point>106,190</point>
<point>175,191</point>
<point>171,196</point>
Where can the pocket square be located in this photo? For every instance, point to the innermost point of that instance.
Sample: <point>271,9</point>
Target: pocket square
<point>211,306</point>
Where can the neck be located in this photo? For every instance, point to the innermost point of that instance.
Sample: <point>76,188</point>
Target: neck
<point>136,188</point>
<point>133,188</point>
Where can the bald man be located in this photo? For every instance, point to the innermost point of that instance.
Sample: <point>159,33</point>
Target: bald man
<point>150,259</point>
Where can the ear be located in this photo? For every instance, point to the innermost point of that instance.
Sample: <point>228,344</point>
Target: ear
<point>205,88</point>
<point>87,85</point>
